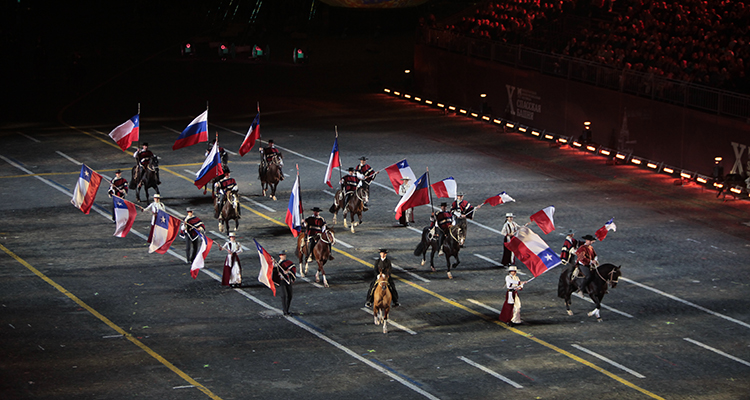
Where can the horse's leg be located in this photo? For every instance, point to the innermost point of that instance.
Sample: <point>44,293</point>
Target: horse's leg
<point>323,272</point>
<point>376,315</point>
<point>457,260</point>
<point>448,264</point>
<point>385,323</point>
<point>236,224</point>
<point>351,215</point>
<point>597,305</point>
<point>273,191</point>
<point>432,258</point>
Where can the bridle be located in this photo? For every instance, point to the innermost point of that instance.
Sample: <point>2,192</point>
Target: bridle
<point>611,279</point>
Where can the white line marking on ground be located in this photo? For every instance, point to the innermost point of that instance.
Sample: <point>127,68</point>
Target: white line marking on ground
<point>603,305</point>
<point>495,310</point>
<point>391,322</point>
<point>607,360</point>
<point>189,172</point>
<point>491,372</point>
<point>263,206</point>
<point>415,276</point>
<point>343,243</point>
<point>491,261</point>
<point>71,159</point>
<point>172,130</point>
<point>29,137</point>
<point>414,229</point>
<point>231,152</point>
<point>308,280</point>
<point>731,357</point>
<point>183,387</point>
<point>111,336</point>
<point>329,193</point>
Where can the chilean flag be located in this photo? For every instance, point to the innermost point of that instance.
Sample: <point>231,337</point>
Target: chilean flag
<point>266,267</point>
<point>165,231</point>
<point>211,167</point>
<point>533,251</point>
<point>293,211</point>
<point>200,260</point>
<point>196,132</point>
<point>252,135</point>
<point>84,193</point>
<point>501,198</point>
<point>398,171</point>
<point>417,195</point>
<point>124,216</point>
<point>601,233</point>
<point>127,133</point>
<point>446,188</point>
<point>333,162</point>
<point>543,218</point>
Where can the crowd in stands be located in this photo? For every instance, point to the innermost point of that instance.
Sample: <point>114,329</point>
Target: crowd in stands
<point>701,41</point>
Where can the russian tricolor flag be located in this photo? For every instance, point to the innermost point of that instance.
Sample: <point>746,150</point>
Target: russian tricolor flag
<point>127,133</point>
<point>200,260</point>
<point>333,162</point>
<point>165,230</point>
<point>601,233</point>
<point>544,219</point>
<point>84,193</point>
<point>124,216</point>
<point>293,217</point>
<point>398,171</point>
<point>500,198</point>
<point>211,167</point>
<point>266,268</point>
<point>252,135</point>
<point>196,132</point>
<point>533,252</point>
<point>446,188</point>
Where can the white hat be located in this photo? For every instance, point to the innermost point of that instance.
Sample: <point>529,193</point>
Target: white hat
<point>512,268</point>
<point>232,234</point>
<point>508,215</point>
<point>157,196</point>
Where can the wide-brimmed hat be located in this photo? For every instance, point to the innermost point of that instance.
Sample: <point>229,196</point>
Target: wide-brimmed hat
<point>282,253</point>
<point>406,178</point>
<point>459,194</point>
<point>512,268</point>
<point>570,232</point>
<point>119,171</point>
<point>363,158</point>
<point>144,144</point>
<point>189,209</point>
<point>383,251</point>
<point>316,209</point>
<point>157,196</point>
<point>226,170</point>
<point>270,141</point>
<point>509,215</point>
<point>588,237</point>
<point>351,169</point>
<point>443,204</point>
<point>232,234</point>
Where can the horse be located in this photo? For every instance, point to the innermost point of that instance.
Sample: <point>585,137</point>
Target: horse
<point>321,253</point>
<point>144,177</point>
<point>451,247</point>
<point>270,177</point>
<point>230,210</point>
<point>381,304</point>
<point>462,226</point>
<point>355,206</point>
<point>602,277</point>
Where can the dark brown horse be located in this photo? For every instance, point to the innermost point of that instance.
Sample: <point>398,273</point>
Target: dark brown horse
<point>321,253</point>
<point>230,211</point>
<point>381,304</point>
<point>451,247</point>
<point>270,176</point>
<point>355,206</point>
<point>144,177</point>
<point>606,275</point>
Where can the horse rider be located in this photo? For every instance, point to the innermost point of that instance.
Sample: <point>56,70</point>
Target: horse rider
<point>268,154</point>
<point>222,153</point>
<point>224,186</point>
<point>408,215</point>
<point>315,225</point>
<point>461,208</point>
<point>284,275</point>
<point>569,247</point>
<point>143,157</point>
<point>117,187</point>
<point>382,266</point>
<point>349,185</point>
<point>510,228</point>
<point>443,219</point>
<point>365,172</point>
<point>586,260</point>
<point>189,228</point>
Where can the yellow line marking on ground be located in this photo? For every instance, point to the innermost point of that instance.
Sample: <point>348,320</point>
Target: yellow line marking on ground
<point>112,325</point>
<point>99,170</point>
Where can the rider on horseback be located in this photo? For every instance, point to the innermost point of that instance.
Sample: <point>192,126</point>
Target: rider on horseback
<point>367,175</point>
<point>349,185</point>
<point>268,155</point>
<point>225,185</point>
<point>586,260</point>
<point>315,225</point>
<point>143,157</point>
<point>382,266</point>
<point>462,208</point>
<point>444,220</point>
<point>222,153</point>
<point>569,247</point>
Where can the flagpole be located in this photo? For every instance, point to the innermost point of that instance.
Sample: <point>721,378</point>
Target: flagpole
<point>337,137</point>
<point>429,190</point>
<point>299,187</point>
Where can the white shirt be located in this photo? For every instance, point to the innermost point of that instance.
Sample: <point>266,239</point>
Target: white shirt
<point>154,208</point>
<point>510,228</point>
<point>512,282</point>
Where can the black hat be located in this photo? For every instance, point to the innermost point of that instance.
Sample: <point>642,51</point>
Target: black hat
<point>270,141</point>
<point>282,253</point>
<point>383,251</point>
<point>316,209</point>
<point>588,237</point>
<point>119,171</point>
<point>443,204</point>
<point>363,158</point>
<point>144,144</point>
<point>351,169</point>
<point>226,170</point>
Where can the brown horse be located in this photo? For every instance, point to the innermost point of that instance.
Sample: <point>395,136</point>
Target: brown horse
<point>145,177</point>
<point>355,206</point>
<point>381,304</point>
<point>270,176</point>
<point>321,253</point>
<point>602,277</point>
<point>230,210</point>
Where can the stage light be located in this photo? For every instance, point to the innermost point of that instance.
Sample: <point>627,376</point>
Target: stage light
<point>620,156</point>
<point>187,49</point>
<point>407,96</point>
<point>605,152</point>
<point>387,90</point>
<point>549,137</point>
<point>668,170</point>
<point>576,144</point>
<point>486,118</point>
<point>735,190</point>
<point>397,93</point>
<point>474,114</point>
<point>428,101</point>
<point>441,105</point>
<point>536,133</point>
<point>452,108</point>
<point>562,140</point>
<point>497,121</point>
<point>718,185</point>
<point>702,180</point>
<point>590,148</point>
<point>522,129</point>
<point>407,71</point>
<point>417,99</point>
<point>686,175</point>
<point>462,111</point>
<point>509,125</point>
<point>653,166</point>
<point>483,95</point>
<point>635,161</point>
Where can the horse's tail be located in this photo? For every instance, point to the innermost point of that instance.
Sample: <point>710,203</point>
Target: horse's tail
<point>333,210</point>
<point>422,246</point>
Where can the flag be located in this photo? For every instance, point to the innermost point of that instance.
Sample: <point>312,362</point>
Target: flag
<point>500,198</point>
<point>200,259</point>
<point>196,132</point>
<point>211,168</point>
<point>124,216</point>
<point>333,162</point>
<point>533,251</point>
<point>543,219</point>
<point>398,171</point>
<point>85,192</point>
<point>127,133</point>
<point>601,233</point>
<point>252,135</point>
<point>294,210</point>
<point>266,267</point>
<point>165,231</point>
<point>417,195</point>
<point>445,188</point>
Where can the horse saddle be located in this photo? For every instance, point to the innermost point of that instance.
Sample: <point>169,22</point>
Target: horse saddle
<point>577,273</point>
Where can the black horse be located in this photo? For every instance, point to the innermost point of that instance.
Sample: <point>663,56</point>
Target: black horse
<point>145,177</point>
<point>604,276</point>
<point>355,206</point>
<point>451,247</point>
